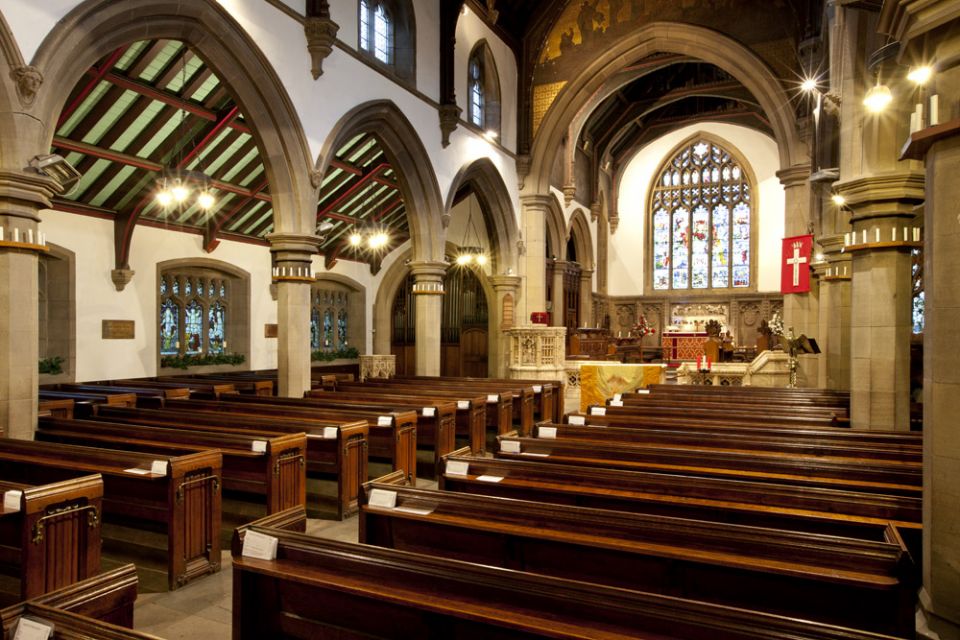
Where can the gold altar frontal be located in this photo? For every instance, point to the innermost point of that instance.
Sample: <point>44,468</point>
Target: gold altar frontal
<point>600,382</point>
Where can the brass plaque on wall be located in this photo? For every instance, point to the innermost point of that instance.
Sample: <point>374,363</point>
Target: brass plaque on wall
<point>118,329</point>
<point>269,331</point>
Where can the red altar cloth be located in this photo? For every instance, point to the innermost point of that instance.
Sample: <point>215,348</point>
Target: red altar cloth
<point>682,345</point>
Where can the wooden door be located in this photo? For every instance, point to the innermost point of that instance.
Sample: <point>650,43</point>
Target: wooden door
<point>473,353</point>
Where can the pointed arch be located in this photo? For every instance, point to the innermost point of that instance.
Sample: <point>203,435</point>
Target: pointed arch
<point>483,178</point>
<point>666,37</point>
<point>406,153</point>
<point>96,27</point>
<point>578,230</point>
<point>556,227</point>
<point>10,59</point>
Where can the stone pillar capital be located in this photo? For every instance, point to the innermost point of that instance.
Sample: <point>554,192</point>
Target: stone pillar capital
<point>505,283</point>
<point>537,202</point>
<point>293,257</point>
<point>294,243</point>
<point>559,264</point>
<point>586,274</point>
<point>794,176</point>
<point>428,277</point>
<point>22,193</point>
<point>894,194</point>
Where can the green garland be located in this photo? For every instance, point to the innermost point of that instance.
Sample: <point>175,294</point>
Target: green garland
<point>52,365</point>
<point>350,353</point>
<point>183,362</point>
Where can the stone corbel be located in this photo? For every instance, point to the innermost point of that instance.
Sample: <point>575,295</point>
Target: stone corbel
<point>523,163</point>
<point>121,277</point>
<point>595,211</point>
<point>569,193</point>
<point>449,117</point>
<point>614,221</point>
<point>321,34</point>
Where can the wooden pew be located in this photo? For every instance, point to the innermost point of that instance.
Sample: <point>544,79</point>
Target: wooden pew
<point>433,424</point>
<point>70,626</point>
<point>806,442</point>
<point>253,386</point>
<point>341,455</point>
<point>498,415</point>
<point>799,392</point>
<point>692,395</point>
<point>632,402</point>
<point>856,474</point>
<point>198,389</point>
<point>896,441</point>
<point>56,408</point>
<point>852,583</point>
<point>185,500</point>
<point>392,435</point>
<point>108,597</point>
<point>324,588</point>
<point>83,403</point>
<point>523,394</point>
<point>751,502</point>
<point>784,419</point>
<point>147,397</point>
<point>268,464</point>
<point>52,538</point>
<point>549,394</point>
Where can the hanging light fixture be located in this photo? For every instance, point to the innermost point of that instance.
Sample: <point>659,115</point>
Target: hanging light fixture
<point>878,98</point>
<point>374,238</point>
<point>473,254</point>
<point>178,188</point>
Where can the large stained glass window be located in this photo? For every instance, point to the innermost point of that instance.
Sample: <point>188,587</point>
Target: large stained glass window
<point>701,213</point>
<point>194,316</point>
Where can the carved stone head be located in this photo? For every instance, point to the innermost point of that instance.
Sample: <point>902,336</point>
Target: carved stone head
<point>28,80</point>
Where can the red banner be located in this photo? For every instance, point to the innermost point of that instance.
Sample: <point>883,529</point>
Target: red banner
<point>795,264</point>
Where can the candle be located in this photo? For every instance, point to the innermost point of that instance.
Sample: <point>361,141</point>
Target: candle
<point>919,112</point>
<point>904,234</point>
<point>844,271</point>
<point>30,236</point>
<point>893,234</point>
<point>877,234</point>
<point>864,236</point>
<point>913,122</point>
<point>846,239</point>
<point>934,110</point>
<point>916,234</point>
<point>16,235</point>
<point>1,234</point>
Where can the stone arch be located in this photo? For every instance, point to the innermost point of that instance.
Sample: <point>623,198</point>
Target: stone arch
<point>498,211</point>
<point>405,151</point>
<point>96,27</point>
<point>579,231</point>
<point>556,227</point>
<point>10,59</point>
<point>666,37</point>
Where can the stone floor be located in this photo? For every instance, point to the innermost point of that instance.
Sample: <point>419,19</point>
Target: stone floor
<point>202,610</point>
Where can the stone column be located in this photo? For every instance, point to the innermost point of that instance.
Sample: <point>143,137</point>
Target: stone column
<point>534,254</point>
<point>586,298</point>
<point>800,310</point>
<point>504,312</point>
<point>558,303</point>
<point>428,295</point>
<point>835,275</point>
<point>21,196</point>
<point>293,275</point>
<point>881,297</point>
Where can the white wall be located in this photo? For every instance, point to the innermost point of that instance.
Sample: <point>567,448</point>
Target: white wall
<point>97,298</point>
<point>627,247</point>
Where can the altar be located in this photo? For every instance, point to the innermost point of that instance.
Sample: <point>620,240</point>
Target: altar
<point>682,345</point>
<point>599,382</point>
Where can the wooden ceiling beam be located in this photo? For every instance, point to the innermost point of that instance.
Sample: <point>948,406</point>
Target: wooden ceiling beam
<point>210,239</point>
<point>97,74</point>
<point>368,175</point>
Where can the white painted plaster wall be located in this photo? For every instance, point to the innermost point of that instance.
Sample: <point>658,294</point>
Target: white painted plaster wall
<point>627,248</point>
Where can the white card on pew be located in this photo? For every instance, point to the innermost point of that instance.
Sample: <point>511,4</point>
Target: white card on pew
<point>158,467</point>
<point>259,545</point>
<point>463,404</point>
<point>11,500</point>
<point>28,629</point>
<point>382,498</point>
<point>509,446</point>
<point>547,432</point>
<point>384,421</point>
<point>139,472</point>
<point>417,511</point>
<point>598,411</point>
<point>429,412</point>
<point>458,468</point>
<point>538,388</point>
<point>616,403</point>
<point>493,397</point>
<point>489,478</point>
<point>577,420</point>
<point>330,433</point>
<point>643,390</point>
<point>617,397</point>
<point>259,446</point>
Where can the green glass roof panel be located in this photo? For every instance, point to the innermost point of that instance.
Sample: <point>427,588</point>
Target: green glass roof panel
<point>161,60</point>
<point>110,118</point>
<point>84,109</point>
<point>110,188</point>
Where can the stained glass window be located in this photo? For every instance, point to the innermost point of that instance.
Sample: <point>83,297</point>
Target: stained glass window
<point>476,92</point>
<point>328,330</point>
<point>196,322</point>
<point>701,213</point>
<point>193,327</point>
<point>918,292</point>
<point>342,327</point>
<point>217,328</point>
<point>315,329</point>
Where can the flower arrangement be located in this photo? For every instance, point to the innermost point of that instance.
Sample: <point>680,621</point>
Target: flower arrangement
<point>351,353</point>
<point>776,324</point>
<point>201,360</point>
<point>641,328</point>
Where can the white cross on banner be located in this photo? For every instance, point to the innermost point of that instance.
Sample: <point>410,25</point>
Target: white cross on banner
<point>795,272</point>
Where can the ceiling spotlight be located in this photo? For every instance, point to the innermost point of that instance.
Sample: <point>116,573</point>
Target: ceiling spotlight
<point>838,199</point>
<point>920,75</point>
<point>809,85</point>
<point>877,98</point>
